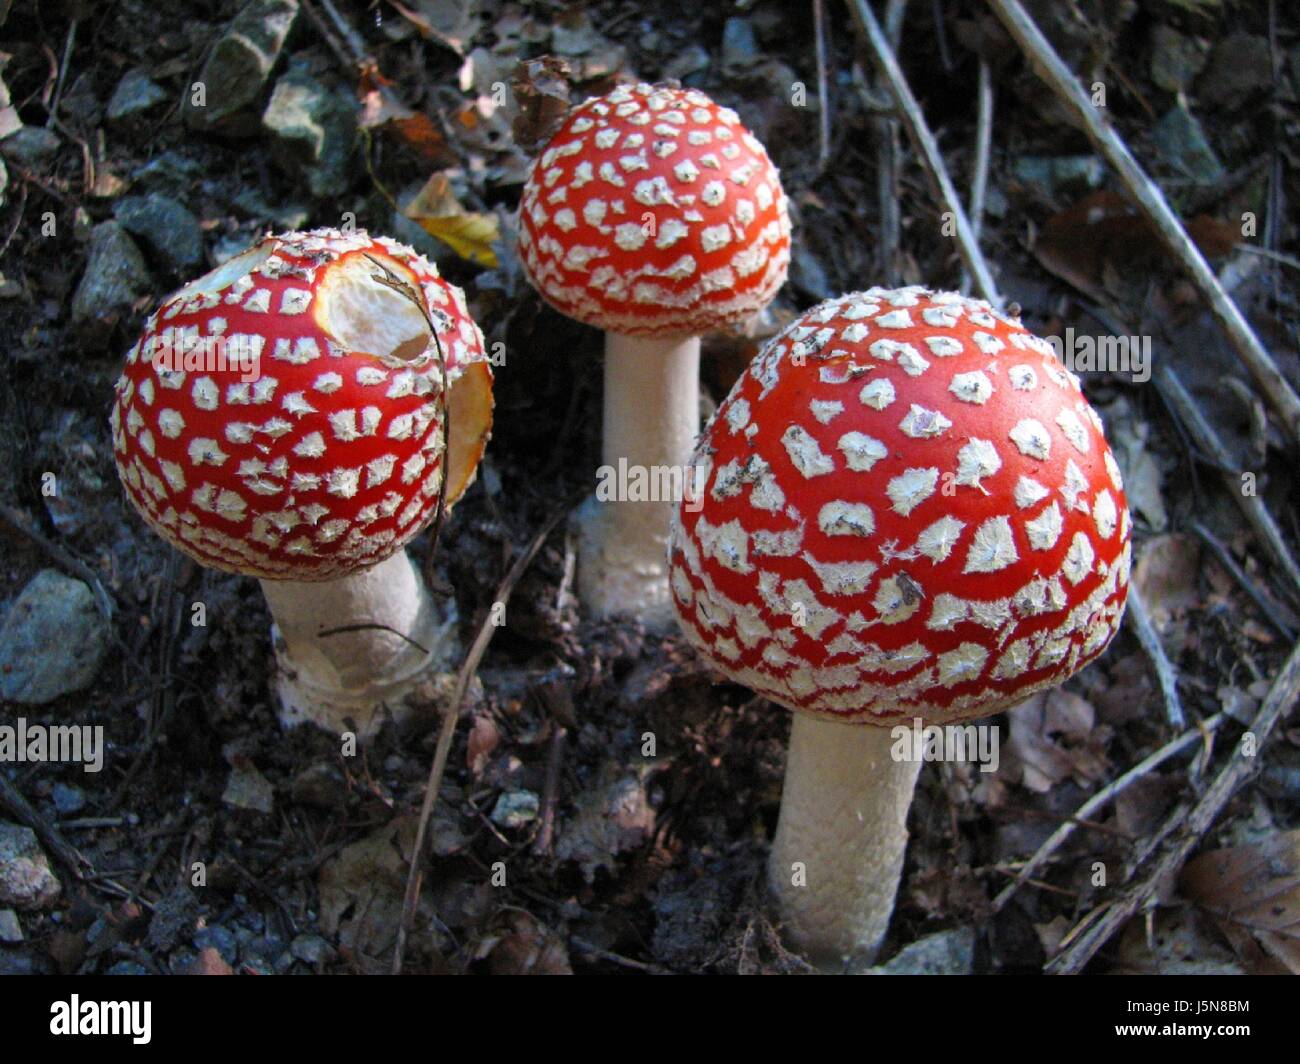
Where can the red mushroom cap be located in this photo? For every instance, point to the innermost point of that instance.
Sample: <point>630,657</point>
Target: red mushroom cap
<point>910,510</point>
<point>654,212</point>
<point>281,416</point>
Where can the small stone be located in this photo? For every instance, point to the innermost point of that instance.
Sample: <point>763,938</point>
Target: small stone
<point>249,789</point>
<point>238,67</point>
<point>52,641</point>
<point>169,172</point>
<point>135,94</point>
<point>691,60</point>
<point>515,809</point>
<point>312,949</point>
<point>32,147</point>
<point>739,46</point>
<point>1241,66</point>
<point>316,131</point>
<point>321,785</point>
<point>11,930</point>
<point>1176,59</point>
<point>26,880</point>
<point>166,226</point>
<point>173,919</point>
<point>945,953</point>
<point>68,800</point>
<point>1060,175</point>
<point>128,968</point>
<point>1183,144</point>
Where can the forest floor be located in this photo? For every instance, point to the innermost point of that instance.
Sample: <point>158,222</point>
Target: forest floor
<point>114,192</point>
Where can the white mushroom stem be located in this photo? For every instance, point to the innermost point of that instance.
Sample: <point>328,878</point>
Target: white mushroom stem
<point>651,418</point>
<point>340,681</point>
<point>838,853</point>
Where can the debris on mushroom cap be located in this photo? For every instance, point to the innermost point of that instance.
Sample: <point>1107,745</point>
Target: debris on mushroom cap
<point>909,510</point>
<point>282,415</point>
<point>654,212</point>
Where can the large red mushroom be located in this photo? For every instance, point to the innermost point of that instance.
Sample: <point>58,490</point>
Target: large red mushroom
<point>911,512</point>
<point>283,417</point>
<point>652,214</point>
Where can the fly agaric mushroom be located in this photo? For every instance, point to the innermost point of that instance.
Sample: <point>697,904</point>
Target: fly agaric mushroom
<point>911,512</point>
<point>652,214</point>
<point>282,417</point>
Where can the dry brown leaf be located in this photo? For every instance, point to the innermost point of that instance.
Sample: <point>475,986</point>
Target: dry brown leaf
<point>1256,888</point>
<point>439,214</point>
<point>541,91</point>
<point>525,946</point>
<point>1054,737</point>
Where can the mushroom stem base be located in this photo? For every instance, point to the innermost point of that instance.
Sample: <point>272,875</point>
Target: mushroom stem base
<point>838,853</point>
<point>651,418</point>
<point>344,680</point>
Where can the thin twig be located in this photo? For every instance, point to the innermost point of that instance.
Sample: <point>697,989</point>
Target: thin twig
<point>980,170</point>
<point>18,808</point>
<point>468,670</point>
<point>1151,201</point>
<point>887,161</point>
<point>550,793</point>
<point>823,95</point>
<point>1186,827</point>
<point>1140,619</point>
<point>927,148</point>
<point>1262,601</point>
<point>1099,801</point>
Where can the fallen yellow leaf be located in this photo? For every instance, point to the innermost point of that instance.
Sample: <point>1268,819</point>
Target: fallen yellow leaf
<point>438,213</point>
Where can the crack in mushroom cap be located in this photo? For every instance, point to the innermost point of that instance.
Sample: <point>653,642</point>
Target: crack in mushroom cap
<point>654,212</point>
<point>949,534</point>
<point>281,416</point>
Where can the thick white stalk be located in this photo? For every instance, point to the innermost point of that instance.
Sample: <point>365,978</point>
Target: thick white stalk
<point>329,680</point>
<point>651,418</point>
<point>838,852</point>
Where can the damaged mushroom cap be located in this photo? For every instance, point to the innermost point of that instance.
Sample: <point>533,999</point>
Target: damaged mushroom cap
<point>654,212</point>
<point>909,510</point>
<point>281,416</point>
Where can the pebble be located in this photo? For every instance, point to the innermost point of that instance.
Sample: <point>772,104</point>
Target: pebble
<point>238,67</point>
<point>220,939</point>
<point>52,641</point>
<point>515,808</point>
<point>1183,144</point>
<point>31,147</point>
<point>691,60</point>
<point>315,128</point>
<point>944,953</point>
<point>135,94</point>
<point>166,227</point>
<point>26,880</point>
<point>10,929</point>
<point>249,789</point>
<point>68,800</point>
<point>312,949</point>
<point>739,46</point>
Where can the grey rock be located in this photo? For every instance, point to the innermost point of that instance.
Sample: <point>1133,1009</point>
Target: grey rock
<point>52,641</point>
<point>1176,59</point>
<point>282,216</point>
<point>945,953</point>
<point>238,67</point>
<point>26,880</point>
<point>31,147</point>
<point>739,45</point>
<point>128,968</point>
<point>169,172</point>
<point>135,94</point>
<point>249,789</point>
<point>68,800</point>
<point>312,949</point>
<point>515,808</point>
<point>10,929</point>
<point>691,60</point>
<point>1241,66</point>
<point>1069,175</point>
<point>316,129</point>
<point>166,226</point>
<point>1184,147</point>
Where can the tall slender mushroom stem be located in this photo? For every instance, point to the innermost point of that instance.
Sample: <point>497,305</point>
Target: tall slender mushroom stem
<point>651,418</point>
<point>346,647</point>
<point>838,852</point>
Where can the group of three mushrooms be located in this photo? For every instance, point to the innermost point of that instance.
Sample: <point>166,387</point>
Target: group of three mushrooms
<point>905,510</point>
